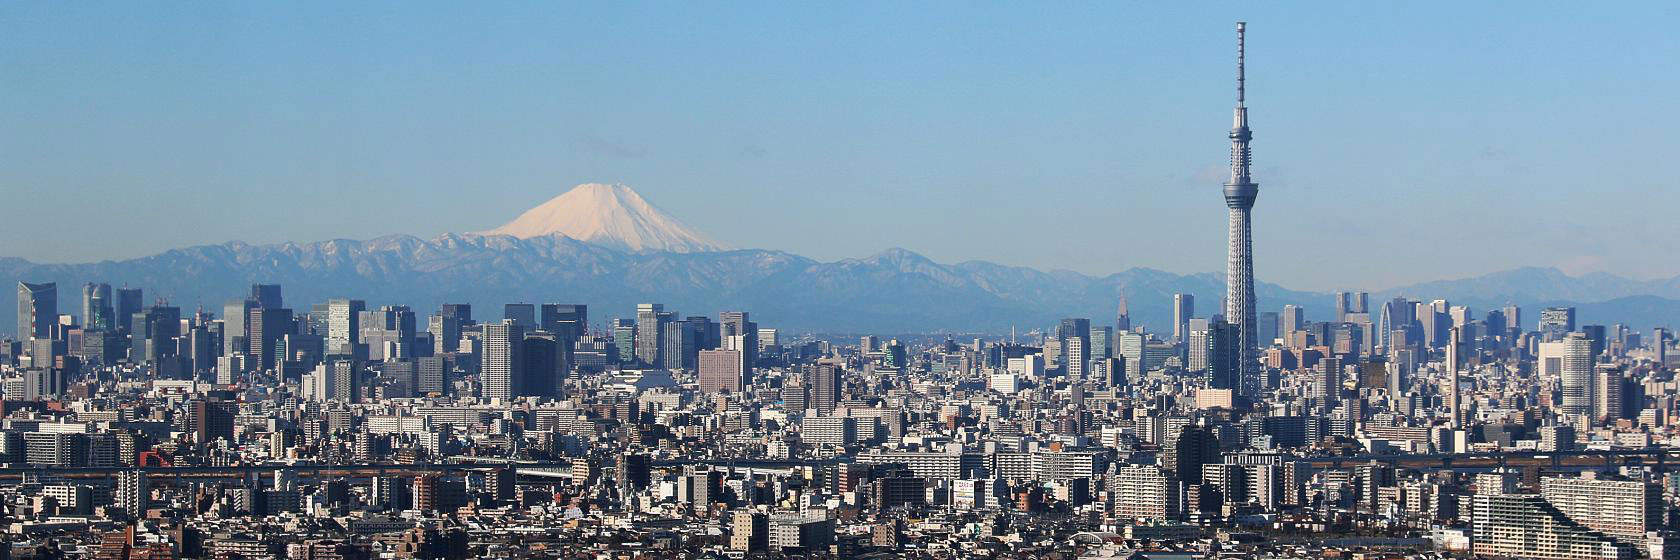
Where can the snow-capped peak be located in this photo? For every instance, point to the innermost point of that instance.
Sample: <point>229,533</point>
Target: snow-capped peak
<point>609,215</point>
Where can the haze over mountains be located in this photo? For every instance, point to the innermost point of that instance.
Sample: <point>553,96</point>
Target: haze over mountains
<point>606,246</point>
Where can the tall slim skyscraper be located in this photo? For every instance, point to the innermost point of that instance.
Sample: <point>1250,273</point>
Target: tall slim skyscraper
<point>650,333</point>
<point>1455,360</point>
<point>502,368</point>
<point>737,323</point>
<point>1075,346</point>
<point>1123,316</point>
<point>1240,193</point>
<point>37,309</point>
<point>1577,376</point>
<point>128,303</point>
<point>1184,308</point>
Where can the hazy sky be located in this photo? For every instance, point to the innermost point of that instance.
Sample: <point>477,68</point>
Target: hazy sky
<point>1392,143</point>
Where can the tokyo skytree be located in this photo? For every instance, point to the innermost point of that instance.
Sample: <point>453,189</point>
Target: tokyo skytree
<point>1240,193</point>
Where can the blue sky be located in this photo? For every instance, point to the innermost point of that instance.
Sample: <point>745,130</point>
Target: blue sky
<point>1393,143</point>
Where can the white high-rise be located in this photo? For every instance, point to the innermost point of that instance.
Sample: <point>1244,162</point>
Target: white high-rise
<point>1578,387</point>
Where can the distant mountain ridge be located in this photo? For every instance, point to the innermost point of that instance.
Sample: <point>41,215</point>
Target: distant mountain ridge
<point>895,291</point>
<point>606,246</point>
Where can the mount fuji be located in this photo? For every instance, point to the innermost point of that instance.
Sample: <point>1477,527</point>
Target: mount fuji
<point>612,216</point>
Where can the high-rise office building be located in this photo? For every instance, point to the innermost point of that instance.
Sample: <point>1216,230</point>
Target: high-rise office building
<point>1223,369</point>
<point>344,325</point>
<point>1341,306</point>
<point>37,310</point>
<point>1294,318</point>
<point>1101,338</point>
<point>445,331</point>
<point>720,371</point>
<point>1269,333</point>
<point>1184,308</point>
<point>97,312</point>
<point>431,375</point>
<point>1122,316</point>
<point>737,323</point>
<point>1131,347</point>
<point>1240,193</point>
<point>522,314</point>
<point>388,332</point>
<point>568,322</point>
<point>236,318</point>
<point>501,368</point>
<point>650,333</point>
<point>624,340</point>
<point>1555,322</point>
<point>268,327</point>
<point>681,348</point>
<point>267,295</point>
<point>462,312</point>
<point>544,367</point>
<point>1196,346</point>
<point>1598,336</point>
<point>163,327</point>
<point>825,384</point>
<point>129,302</point>
<point>1072,335</point>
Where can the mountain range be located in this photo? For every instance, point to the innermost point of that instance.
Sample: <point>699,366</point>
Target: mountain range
<point>605,246</point>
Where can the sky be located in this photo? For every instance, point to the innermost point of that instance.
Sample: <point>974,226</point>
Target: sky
<point>1393,143</point>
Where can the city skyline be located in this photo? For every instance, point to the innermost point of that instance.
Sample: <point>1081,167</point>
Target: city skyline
<point>600,376</point>
<point>1114,124</point>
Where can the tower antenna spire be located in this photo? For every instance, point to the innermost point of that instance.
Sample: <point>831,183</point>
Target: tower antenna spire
<point>1241,26</point>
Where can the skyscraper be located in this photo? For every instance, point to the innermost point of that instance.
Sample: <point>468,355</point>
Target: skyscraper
<point>1578,393</point>
<point>1072,334</point>
<point>129,301</point>
<point>1184,307</point>
<point>1123,316</point>
<point>1455,358</point>
<point>825,384</point>
<point>501,368</point>
<point>736,323</point>
<point>1223,371</point>
<point>522,314</point>
<point>720,371</point>
<point>650,333</point>
<point>1240,193</point>
<point>267,295</point>
<point>344,325</point>
<point>37,310</point>
<point>96,306</point>
<point>1294,318</point>
<point>1555,322</point>
<point>236,319</point>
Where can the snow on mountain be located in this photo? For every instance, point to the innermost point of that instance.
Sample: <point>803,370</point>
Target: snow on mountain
<point>611,216</point>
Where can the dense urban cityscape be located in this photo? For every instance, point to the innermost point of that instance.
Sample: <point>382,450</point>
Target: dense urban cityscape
<point>1346,428</point>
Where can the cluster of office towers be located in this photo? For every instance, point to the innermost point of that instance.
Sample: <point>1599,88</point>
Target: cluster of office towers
<point>528,352</point>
